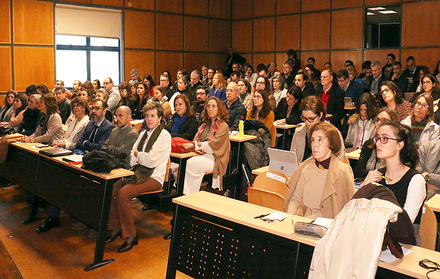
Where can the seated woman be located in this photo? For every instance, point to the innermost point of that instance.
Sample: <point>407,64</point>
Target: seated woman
<point>148,158</point>
<point>50,127</point>
<point>218,88</point>
<point>420,120</point>
<point>263,84</point>
<point>183,122</point>
<point>429,163</point>
<point>312,112</point>
<point>321,185</point>
<point>19,108</point>
<point>392,98</point>
<point>287,110</point>
<point>261,111</point>
<point>76,126</point>
<point>6,110</point>
<point>140,101</point>
<point>368,159</point>
<point>395,145</point>
<point>126,98</point>
<point>212,143</point>
<point>245,93</point>
<point>182,88</point>
<point>31,116</point>
<point>159,95</point>
<point>279,92</point>
<point>361,124</point>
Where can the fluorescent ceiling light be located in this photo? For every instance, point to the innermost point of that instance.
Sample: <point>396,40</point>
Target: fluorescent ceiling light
<point>370,14</point>
<point>387,12</point>
<point>376,9</point>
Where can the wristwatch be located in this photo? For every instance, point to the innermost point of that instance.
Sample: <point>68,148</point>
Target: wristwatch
<point>427,177</point>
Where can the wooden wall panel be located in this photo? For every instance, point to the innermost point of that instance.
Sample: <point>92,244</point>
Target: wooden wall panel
<point>380,2</point>
<point>241,9</point>
<point>315,31</point>
<point>196,33</point>
<point>33,65</point>
<point>264,8</point>
<point>81,1</point>
<point>196,7</point>
<point>220,8</point>
<point>379,55</point>
<point>217,60</point>
<point>116,3</point>
<point>287,32</point>
<point>421,24</point>
<point>347,29</point>
<point>264,34</point>
<point>174,6</point>
<point>320,58</point>
<point>5,65</point>
<point>280,59</point>
<point>140,4</point>
<point>339,57</point>
<point>168,61</point>
<point>220,35</point>
<point>427,56</point>
<point>143,61</point>
<point>5,22</point>
<point>287,6</point>
<point>139,29</point>
<point>248,57</point>
<point>33,22</point>
<point>242,35</point>
<point>265,58</point>
<point>169,31</point>
<point>194,61</point>
<point>314,5</point>
<point>346,3</point>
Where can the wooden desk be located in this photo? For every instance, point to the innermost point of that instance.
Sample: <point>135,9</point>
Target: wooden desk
<point>353,154</point>
<point>434,203</point>
<point>349,107</point>
<point>181,158</point>
<point>286,129</point>
<point>260,170</point>
<point>83,194</point>
<point>217,237</point>
<point>244,138</point>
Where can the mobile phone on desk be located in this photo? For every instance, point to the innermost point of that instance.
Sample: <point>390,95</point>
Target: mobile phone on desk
<point>42,145</point>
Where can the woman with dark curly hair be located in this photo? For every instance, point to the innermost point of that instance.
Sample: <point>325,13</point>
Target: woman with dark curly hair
<point>149,82</point>
<point>391,96</point>
<point>212,143</point>
<point>395,146</point>
<point>361,124</point>
<point>262,112</point>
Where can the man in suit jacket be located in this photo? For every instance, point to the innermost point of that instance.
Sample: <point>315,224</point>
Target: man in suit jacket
<point>352,89</point>
<point>333,98</point>
<point>97,130</point>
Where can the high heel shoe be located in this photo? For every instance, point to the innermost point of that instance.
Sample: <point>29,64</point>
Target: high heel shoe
<point>112,237</point>
<point>128,245</point>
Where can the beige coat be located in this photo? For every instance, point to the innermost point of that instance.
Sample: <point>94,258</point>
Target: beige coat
<point>338,189</point>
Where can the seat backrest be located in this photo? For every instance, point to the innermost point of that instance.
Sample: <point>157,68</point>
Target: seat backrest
<point>428,228</point>
<point>269,190</point>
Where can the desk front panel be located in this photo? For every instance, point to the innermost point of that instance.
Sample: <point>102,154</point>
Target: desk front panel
<point>20,167</point>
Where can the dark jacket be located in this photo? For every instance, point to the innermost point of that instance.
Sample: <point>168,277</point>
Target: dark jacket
<point>31,118</point>
<point>101,136</point>
<point>137,107</point>
<point>402,82</point>
<point>237,112</point>
<point>281,112</point>
<point>290,81</point>
<point>354,91</point>
<point>64,108</point>
<point>191,92</point>
<point>219,93</point>
<point>335,104</point>
<point>120,142</point>
<point>413,79</point>
<point>309,90</point>
<point>187,130</point>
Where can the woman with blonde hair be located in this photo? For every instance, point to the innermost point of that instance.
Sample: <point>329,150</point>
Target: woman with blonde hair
<point>218,88</point>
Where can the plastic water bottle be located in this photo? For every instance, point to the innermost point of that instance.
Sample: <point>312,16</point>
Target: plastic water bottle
<point>241,128</point>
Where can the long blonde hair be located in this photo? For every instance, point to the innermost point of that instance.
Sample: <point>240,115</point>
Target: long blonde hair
<point>221,81</point>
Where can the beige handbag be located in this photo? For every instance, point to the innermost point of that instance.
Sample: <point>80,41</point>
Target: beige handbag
<point>4,144</point>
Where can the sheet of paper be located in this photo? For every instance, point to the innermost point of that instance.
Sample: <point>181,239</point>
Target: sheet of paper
<point>386,256</point>
<point>73,158</point>
<point>276,177</point>
<point>276,216</point>
<point>325,222</point>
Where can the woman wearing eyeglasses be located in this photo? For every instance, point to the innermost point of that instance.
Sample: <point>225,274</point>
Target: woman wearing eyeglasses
<point>395,146</point>
<point>321,185</point>
<point>312,112</point>
<point>420,120</point>
<point>392,99</point>
<point>368,159</point>
<point>262,112</point>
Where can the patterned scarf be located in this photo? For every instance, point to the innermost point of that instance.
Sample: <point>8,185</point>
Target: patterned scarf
<point>214,127</point>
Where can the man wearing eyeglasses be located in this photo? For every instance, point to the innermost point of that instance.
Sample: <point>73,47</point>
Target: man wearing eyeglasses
<point>97,130</point>
<point>333,98</point>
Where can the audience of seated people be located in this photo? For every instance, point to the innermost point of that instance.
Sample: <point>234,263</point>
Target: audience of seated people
<point>203,107</point>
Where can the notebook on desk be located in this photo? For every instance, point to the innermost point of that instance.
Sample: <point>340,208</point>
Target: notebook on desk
<point>55,152</point>
<point>282,161</point>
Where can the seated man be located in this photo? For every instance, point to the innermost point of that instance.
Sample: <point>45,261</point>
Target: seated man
<point>63,103</point>
<point>429,163</point>
<point>97,130</point>
<point>235,108</point>
<point>352,89</point>
<point>202,94</point>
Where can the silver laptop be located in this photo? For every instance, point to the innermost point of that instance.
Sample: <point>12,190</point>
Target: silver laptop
<point>282,161</point>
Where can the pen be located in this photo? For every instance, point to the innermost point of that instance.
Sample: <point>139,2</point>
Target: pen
<point>386,178</point>
<point>261,216</point>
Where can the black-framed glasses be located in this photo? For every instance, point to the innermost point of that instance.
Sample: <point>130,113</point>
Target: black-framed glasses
<point>384,139</point>
<point>305,119</point>
<point>422,105</point>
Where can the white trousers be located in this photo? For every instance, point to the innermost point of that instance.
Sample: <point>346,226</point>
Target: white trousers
<point>196,167</point>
